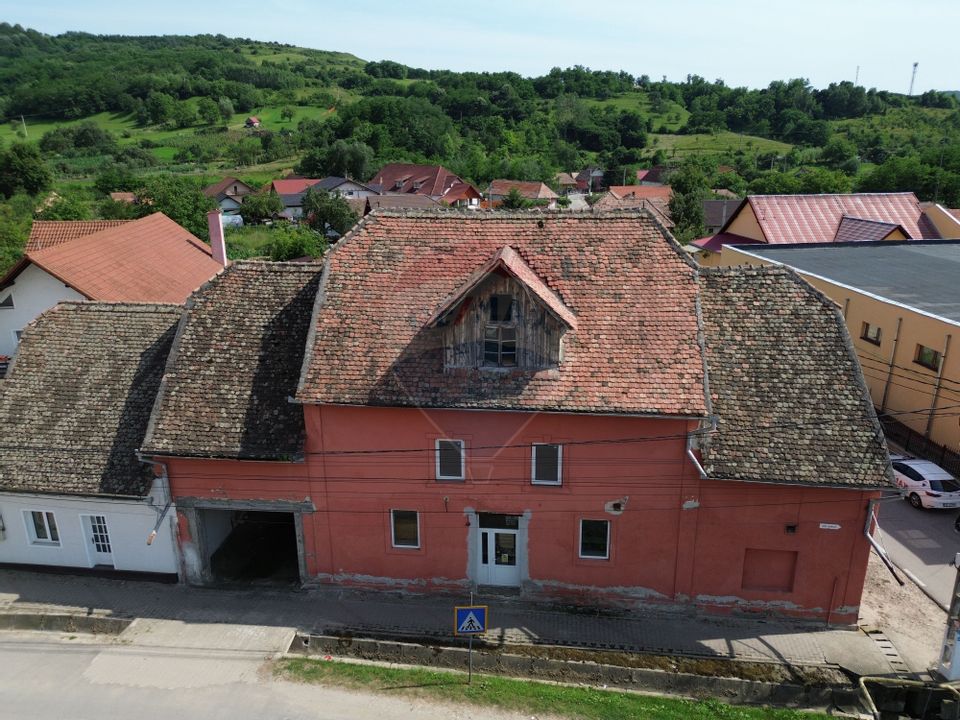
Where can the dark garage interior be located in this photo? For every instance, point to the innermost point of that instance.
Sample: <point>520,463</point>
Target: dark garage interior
<point>251,546</point>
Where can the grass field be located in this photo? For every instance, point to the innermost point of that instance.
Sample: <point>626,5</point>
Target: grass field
<point>672,117</point>
<point>722,142</point>
<point>526,696</point>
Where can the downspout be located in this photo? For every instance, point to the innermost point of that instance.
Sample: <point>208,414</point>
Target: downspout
<point>876,546</point>
<point>893,360</point>
<point>693,441</point>
<point>165,487</point>
<point>936,390</point>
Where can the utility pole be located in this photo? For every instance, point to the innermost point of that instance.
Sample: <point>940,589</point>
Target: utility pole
<point>912,78</point>
<point>856,78</point>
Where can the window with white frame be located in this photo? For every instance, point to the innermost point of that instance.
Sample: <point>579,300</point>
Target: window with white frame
<point>547,464</point>
<point>595,539</point>
<point>42,527</point>
<point>450,460</point>
<point>405,528</point>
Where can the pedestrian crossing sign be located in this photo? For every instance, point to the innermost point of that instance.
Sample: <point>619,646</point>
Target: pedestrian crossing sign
<point>469,619</point>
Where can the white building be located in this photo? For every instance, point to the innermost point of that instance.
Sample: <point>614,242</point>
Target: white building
<point>74,408</point>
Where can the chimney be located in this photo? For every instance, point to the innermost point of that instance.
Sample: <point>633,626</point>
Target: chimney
<point>217,244</point>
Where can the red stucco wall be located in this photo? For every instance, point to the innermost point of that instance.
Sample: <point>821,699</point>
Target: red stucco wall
<point>659,551</point>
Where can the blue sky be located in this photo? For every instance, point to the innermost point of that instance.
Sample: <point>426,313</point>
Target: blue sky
<point>744,42</point>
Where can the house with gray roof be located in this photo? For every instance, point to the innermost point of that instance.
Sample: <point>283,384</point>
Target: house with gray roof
<point>74,408</point>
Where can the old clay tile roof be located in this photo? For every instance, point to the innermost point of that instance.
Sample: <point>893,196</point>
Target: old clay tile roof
<point>47,233</point>
<point>635,349</point>
<point>785,384</point>
<point>235,363</point>
<point>508,260</point>
<point>222,188</point>
<point>650,192</point>
<point>854,229</point>
<point>816,218</point>
<point>76,402</point>
<point>152,259</point>
<point>395,200</point>
<point>529,190</point>
<point>293,186</point>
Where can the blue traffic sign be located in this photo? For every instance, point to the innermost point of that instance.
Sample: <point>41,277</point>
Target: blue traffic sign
<point>469,619</point>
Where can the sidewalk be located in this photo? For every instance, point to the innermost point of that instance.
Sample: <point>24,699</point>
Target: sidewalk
<point>331,610</point>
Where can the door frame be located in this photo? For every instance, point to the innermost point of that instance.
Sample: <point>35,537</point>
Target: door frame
<point>474,538</point>
<point>86,527</point>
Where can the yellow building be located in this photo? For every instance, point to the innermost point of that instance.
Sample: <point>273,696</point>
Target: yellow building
<point>857,217</point>
<point>901,302</point>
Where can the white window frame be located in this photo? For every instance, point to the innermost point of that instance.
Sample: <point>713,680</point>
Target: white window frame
<point>393,533</point>
<point>580,541</point>
<point>32,536</point>
<point>463,459</point>
<point>533,464</point>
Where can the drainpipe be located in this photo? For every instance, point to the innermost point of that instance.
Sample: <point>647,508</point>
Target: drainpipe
<point>871,509</point>
<point>936,390</point>
<point>893,359</point>
<point>693,441</point>
<point>165,487</point>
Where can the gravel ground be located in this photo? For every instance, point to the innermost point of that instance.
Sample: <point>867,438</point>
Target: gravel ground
<point>913,622</point>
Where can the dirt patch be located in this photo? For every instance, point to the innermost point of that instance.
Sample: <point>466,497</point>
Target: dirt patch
<point>913,622</point>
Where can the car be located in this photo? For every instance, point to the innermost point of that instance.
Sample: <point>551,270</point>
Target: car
<point>925,484</point>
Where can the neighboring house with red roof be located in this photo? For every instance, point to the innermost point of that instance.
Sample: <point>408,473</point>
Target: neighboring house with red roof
<point>796,219</point>
<point>152,259</point>
<point>553,404</point>
<point>655,202</point>
<point>566,182</point>
<point>127,198</point>
<point>434,181</point>
<point>534,191</point>
<point>229,194</point>
<point>252,122</point>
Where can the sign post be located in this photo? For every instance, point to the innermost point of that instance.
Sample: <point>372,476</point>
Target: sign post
<point>469,620</point>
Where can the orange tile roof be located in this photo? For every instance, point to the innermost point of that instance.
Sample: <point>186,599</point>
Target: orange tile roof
<point>633,292</point>
<point>529,190</point>
<point>293,186</point>
<point>47,233</point>
<point>817,218</point>
<point>148,260</point>
<point>433,180</point>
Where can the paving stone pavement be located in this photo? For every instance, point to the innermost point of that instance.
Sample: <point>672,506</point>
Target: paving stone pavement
<point>512,621</point>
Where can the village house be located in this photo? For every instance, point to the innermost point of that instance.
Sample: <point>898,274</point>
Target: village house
<point>858,217</point>
<point>535,192</point>
<point>555,406</point>
<point>434,181</point>
<point>152,259</point>
<point>901,326</point>
<point>75,407</point>
<point>565,182</point>
<point>229,194</point>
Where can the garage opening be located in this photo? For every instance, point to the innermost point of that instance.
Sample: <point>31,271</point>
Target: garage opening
<point>250,545</point>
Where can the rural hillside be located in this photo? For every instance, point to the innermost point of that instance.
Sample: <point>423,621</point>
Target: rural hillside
<point>86,115</point>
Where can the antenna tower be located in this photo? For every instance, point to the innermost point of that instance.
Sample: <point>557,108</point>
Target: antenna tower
<point>912,78</point>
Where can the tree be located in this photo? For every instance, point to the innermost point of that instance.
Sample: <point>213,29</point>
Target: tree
<point>289,242</point>
<point>23,170</point>
<point>260,206</point>
<point>180,199</point>
<point>183,115</point>
<point>286,114</point>
<point>513,200</point>
<point>690,189</point>
<point>160,107</point>
<point>65,208</point>
<point>208,111</point>
<point>325,212</point>
<point>348,159</point>
<point>225,106</point>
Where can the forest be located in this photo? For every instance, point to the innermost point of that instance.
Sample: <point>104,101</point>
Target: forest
<point>103,113</point>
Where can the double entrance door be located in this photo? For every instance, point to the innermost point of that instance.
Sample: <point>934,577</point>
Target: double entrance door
<point>497,556</point>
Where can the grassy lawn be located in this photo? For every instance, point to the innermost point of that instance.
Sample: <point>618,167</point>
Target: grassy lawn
<point>673,116</point>
<point>524,696</point>
<point>715,143</point>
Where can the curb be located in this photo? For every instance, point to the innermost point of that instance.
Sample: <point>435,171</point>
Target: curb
<point>730,690</point>
<point>921,587</point>
<point>65,622</point>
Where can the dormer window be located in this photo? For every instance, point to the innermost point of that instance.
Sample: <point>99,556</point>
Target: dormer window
<point>500,334</point>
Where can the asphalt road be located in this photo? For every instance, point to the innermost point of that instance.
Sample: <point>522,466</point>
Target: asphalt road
<point>922,543</point>
<point>50,677</point>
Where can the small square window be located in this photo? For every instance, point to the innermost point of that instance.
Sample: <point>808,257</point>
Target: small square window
<point>405,528</point>
<point>7,302</point>
<point>870,333</point>
<point>928,357</point>
<point>450,460</point>
<point>547,464</point>
<point>42,528</point>
<point>595,539</point>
